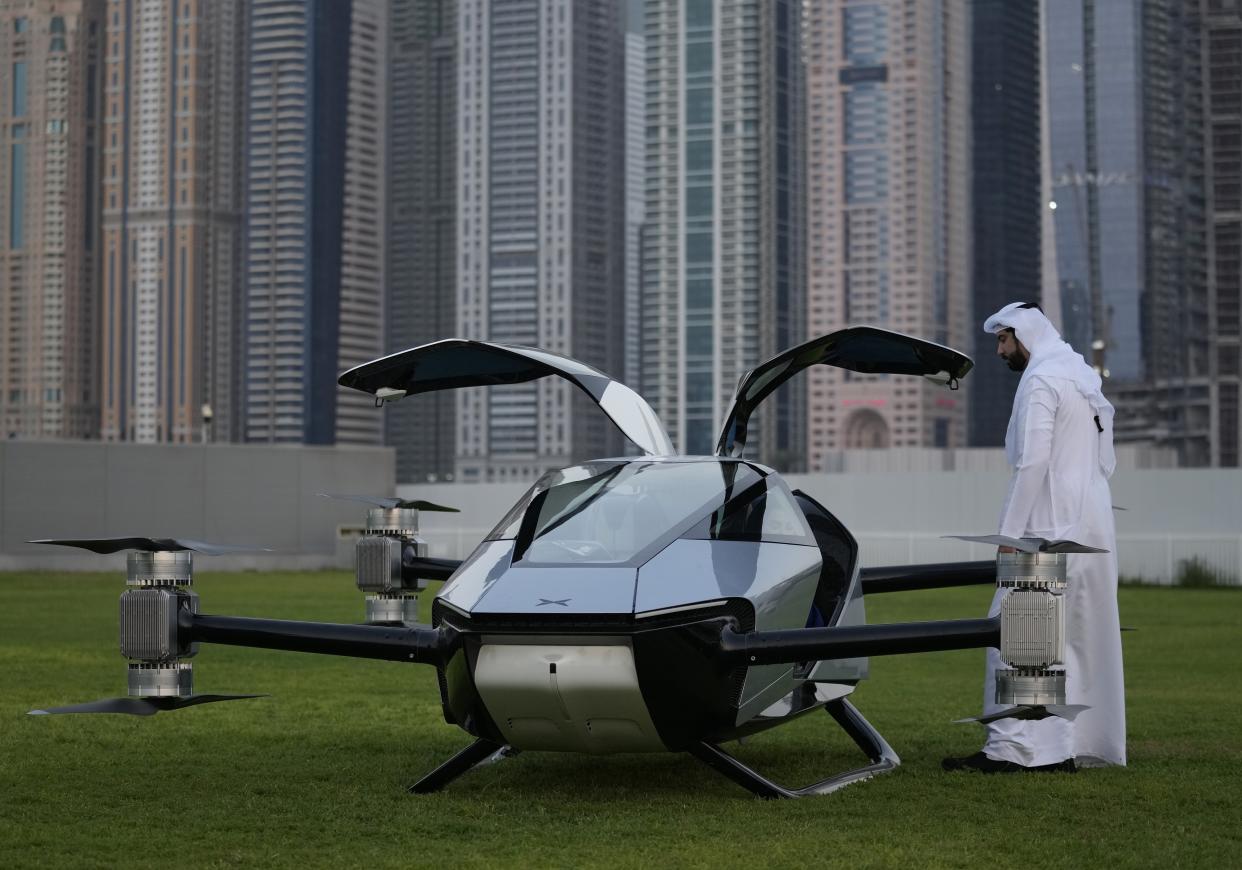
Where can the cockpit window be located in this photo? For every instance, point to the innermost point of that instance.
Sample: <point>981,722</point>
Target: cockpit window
<point>566,479</point>
<point>610,512</point>
<point>764,512</point>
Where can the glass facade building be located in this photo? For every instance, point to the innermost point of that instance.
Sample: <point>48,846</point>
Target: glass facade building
<point>1006,194</point>
<point>723,271</point>
<point>540,221</point>
<point>635,187</point>
<point>1126,129</point>
<point>421,290</point>
<point>315,188</point>
<point>1223,109</point>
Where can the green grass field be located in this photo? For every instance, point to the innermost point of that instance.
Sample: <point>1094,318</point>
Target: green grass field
<point>315,775</point>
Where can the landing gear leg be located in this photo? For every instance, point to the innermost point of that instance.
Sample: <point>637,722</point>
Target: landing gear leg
<point>470,757</point>
<point>867,738</point>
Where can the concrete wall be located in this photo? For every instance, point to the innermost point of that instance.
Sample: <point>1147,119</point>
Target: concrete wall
<point>268,496</point>
<point>262,495</point>
<point>900,517</point>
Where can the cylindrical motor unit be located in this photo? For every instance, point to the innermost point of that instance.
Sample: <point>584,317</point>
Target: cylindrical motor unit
<point>1032,628</point>
<point>161,679</point>
<point>160,568</point>
<point>389,535</point>
<point>150,638</point>
<point>1035,687</point>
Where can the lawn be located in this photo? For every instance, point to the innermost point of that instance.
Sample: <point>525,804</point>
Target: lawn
<point>315,775</point>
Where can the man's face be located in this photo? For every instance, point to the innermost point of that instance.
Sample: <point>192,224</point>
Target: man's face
<point>1011,350</point>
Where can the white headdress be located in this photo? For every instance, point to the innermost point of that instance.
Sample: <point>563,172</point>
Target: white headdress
<point>1052,357</point>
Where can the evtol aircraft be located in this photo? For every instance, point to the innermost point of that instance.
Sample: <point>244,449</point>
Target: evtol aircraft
<point>656,602</point>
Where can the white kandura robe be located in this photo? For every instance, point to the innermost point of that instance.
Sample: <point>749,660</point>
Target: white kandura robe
<point>1059,490</point>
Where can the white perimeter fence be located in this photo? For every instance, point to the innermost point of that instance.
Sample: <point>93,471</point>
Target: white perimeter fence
<point>1166,517</point>
<point>1151,558</point>
<point>1146,558</point>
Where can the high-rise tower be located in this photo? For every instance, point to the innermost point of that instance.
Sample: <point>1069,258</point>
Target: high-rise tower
<point>170,217</point>
<point>422,221</point>
<point>51,64</point>
<point>1222,77</point>
<point>1006,195</point>
<point>316,111</point>
<point>540,221</point>
<point>635,186</point>
<point>363,218</point>
<point>723,282</point>
<point>1126,122</point>
<point>889,206</point>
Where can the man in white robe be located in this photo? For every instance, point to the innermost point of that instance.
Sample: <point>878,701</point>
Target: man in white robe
<point>1060,446</point>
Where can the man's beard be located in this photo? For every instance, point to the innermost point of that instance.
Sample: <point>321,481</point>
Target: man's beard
<point>1017,360</point>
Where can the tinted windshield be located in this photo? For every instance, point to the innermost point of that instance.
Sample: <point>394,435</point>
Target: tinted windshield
<point>609,512</point>
<point>764,512</point>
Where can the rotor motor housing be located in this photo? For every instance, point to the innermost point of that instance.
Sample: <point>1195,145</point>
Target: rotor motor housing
<point>161,679</point>
<point>149,629</point>
<point>160,568</point>
<point>1032,628</point>
<point>378,557</point>
<point>150,636</point>
<point>1036,687</point>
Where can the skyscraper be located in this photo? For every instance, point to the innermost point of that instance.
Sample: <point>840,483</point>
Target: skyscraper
<point>1125,101</point>
<point>315,192</point>
<point>363,219</point>
<point>635,185</point>
<point>723,283</point>
<point>540,221</point>
<point>422,219</point>
<point>170,216</point>
<point>889,197</point>
<point>50,68</point>
<point>1005,193</point>
<point>1223,81</point>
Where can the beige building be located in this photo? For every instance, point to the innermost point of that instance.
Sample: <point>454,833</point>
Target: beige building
<point>888,91</point>
<point>49,139</point>
<point>171,213</point>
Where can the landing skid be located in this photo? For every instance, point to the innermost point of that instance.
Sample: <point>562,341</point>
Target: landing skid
<point>882,756</point>
<point>477,753</point>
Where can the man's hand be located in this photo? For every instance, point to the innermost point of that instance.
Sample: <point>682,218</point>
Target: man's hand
<point>1006,550</point>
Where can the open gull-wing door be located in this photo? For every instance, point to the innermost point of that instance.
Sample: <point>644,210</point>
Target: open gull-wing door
<point>457,362</point>
<point>863,349</point>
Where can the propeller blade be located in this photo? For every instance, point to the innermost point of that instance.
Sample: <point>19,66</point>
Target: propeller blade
<point>140,706</point>
<point>390,502</point>
<point>116,545</point>
<point>1029,545</point>
<point>420,505</point>
<point>373,500</point>
<point>209,549</point>
<point>1028,711</point>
